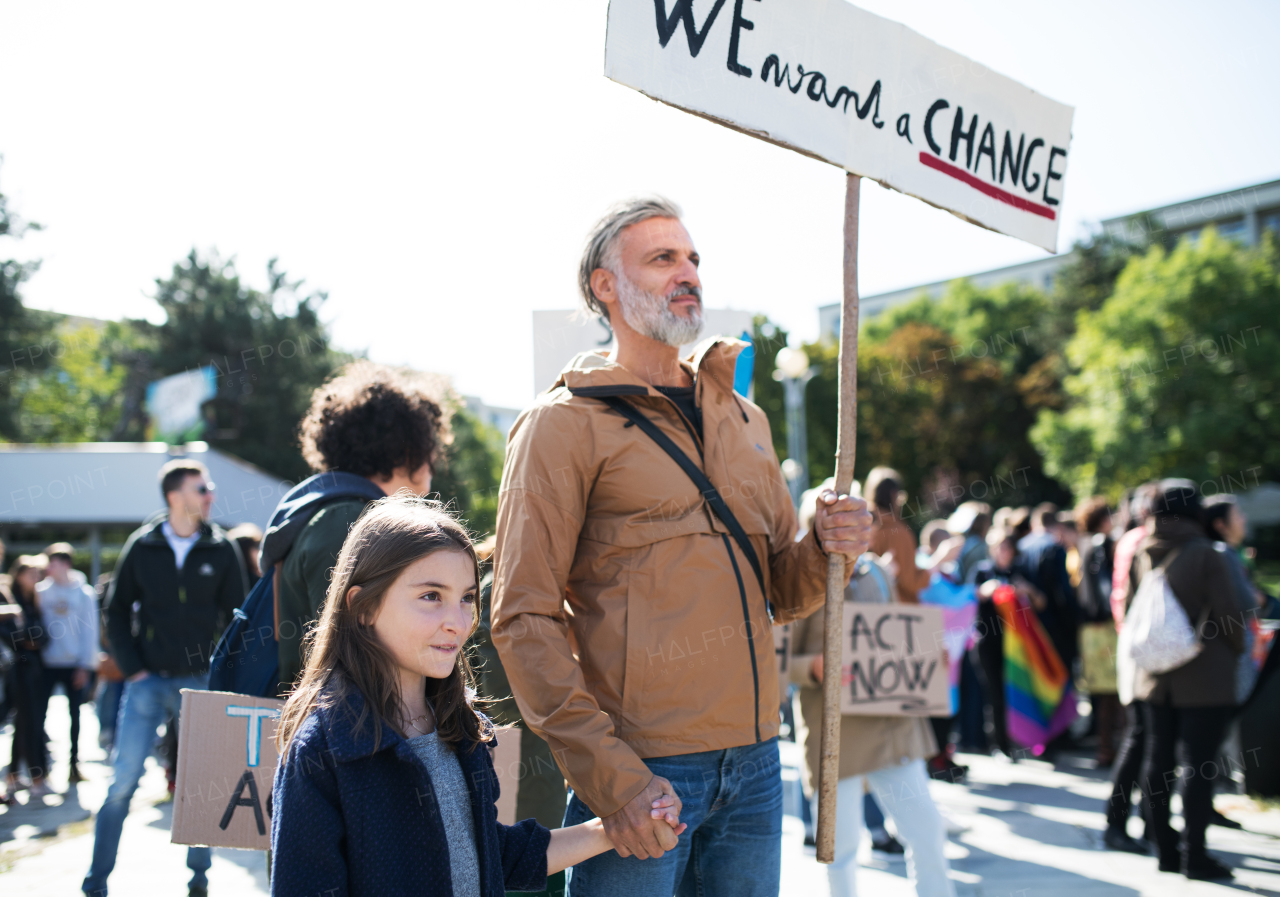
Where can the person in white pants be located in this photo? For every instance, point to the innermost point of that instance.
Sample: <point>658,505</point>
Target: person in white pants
<point>885,753</point>
<point>903,793</point>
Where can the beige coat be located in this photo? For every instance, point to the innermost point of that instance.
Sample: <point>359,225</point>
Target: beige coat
<point>867,743</point>
<point>630,624</point>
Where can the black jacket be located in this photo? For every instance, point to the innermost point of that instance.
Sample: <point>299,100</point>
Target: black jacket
<point>1203,585</point>
<point>179,614</point>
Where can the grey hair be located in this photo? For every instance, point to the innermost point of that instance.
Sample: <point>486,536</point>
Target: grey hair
<point>602,250</point>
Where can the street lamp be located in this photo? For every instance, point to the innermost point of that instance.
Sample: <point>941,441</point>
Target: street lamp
<point>792,370</point>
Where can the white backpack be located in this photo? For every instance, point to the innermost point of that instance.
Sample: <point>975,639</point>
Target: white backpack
<point>1157,634</point>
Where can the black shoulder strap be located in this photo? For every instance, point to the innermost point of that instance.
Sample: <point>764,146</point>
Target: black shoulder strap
<point>700,479</point>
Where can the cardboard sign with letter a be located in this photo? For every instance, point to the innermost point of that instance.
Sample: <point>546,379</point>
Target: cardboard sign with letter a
<point>226,761</point>
<point>894,661</point>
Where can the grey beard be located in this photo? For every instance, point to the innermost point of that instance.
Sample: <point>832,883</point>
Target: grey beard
<point>650,315</point>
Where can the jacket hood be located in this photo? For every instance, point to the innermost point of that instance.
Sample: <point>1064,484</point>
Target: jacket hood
<point>301,504</point>
<point>595,373</point>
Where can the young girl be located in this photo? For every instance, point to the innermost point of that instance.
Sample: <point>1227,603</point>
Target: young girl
<point>387,785</point>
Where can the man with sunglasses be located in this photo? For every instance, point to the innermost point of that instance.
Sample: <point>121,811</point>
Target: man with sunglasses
<point>176,585</point>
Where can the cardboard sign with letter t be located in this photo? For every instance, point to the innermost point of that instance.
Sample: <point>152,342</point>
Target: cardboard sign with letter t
<point>894,661</point>
<point>226,761</point>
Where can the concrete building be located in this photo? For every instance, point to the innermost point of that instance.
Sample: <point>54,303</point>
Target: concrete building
<point>1238,214</point>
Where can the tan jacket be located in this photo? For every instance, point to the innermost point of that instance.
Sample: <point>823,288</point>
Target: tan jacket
<point>867,743</point>
<point>629,621</point>
<point>892,535</point>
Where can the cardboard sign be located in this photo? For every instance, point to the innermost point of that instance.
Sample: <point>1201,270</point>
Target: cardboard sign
<point>226,761</point>
<point>894,661</point>
<point>867,94</point>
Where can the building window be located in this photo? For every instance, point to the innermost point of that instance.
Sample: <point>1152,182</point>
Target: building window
<point>1232,230</point>
<point>1270,221</point>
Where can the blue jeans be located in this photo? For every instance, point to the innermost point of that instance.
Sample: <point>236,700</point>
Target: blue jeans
<point>145,705</point>
<point>733,846</point>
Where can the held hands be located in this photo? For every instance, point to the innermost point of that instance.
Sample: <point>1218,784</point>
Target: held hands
<point>842,524</point>
<point>649,824</point>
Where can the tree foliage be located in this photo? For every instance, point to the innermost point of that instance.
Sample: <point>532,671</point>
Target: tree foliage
<point>79,396</point>
<point>268,348</point>
<point>1175,374</point>
<point>24,332</point>
<point>472,471</point>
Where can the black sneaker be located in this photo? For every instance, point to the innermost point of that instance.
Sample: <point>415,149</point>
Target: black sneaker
<point>943,769</point>
<point>1216,818</point>
<point>888,845</point>
<point>1118,839</point>
<point>1206,868</point>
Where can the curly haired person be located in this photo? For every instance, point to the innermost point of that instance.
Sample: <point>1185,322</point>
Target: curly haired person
<point>371,431</point>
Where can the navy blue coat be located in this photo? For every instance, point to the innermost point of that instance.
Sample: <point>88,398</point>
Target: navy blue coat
<point>349,820</point>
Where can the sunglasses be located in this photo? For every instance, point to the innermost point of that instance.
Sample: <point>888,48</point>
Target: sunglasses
<point>206,488</point>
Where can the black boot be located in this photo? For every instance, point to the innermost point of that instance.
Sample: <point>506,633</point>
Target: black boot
<point>1118,839</point>
<point>1205,868</point>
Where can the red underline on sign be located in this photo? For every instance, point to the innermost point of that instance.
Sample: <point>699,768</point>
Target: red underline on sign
<point>989,189</point>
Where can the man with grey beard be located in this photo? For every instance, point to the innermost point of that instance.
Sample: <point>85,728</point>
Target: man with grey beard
<point>645,544</point>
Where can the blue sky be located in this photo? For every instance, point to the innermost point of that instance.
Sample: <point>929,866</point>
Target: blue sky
<point>435,166</point>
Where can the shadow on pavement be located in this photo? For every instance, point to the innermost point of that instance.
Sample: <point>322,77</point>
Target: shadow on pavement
<point>1022,878</point>
<point>1040,795</point>
<point>46,815</point>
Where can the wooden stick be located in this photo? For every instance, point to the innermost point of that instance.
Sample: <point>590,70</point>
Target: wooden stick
<point>846,448</point>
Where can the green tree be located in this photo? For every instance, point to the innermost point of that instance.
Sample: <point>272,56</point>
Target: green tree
<point>269,350</point>
<point>767,338</point>
<point>78,397</point>
<point>472,471</point>
<point>24,332</point>
<point>1175,374</point>
<point>947,390</point>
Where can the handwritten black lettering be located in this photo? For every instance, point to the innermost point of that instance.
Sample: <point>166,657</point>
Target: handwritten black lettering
<point>860,625</point>
<point>904,126</point>
<point>928,125</point>
<point>1051,175</point>
<point>238,800</point>
<point>739,24</point>
<point>987,145</point>
<point>958,133</point>
<point>1026,167</point>
<point>682,11</point>
<point>817,89</point>
<point>1006,155</point>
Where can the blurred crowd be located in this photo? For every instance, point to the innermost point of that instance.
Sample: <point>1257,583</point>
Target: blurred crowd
<point>52,640</point>
<point>1041,666</point>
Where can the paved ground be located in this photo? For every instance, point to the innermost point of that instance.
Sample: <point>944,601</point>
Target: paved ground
<point>1033,831</point>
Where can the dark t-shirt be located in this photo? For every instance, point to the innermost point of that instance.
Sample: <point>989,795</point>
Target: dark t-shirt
<point>683,396</point>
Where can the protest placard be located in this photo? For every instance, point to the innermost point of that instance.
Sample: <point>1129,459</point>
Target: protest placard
<point>226,762</point>
<point>834,82</point>
<point>894,661</point>
<point>859,91</point>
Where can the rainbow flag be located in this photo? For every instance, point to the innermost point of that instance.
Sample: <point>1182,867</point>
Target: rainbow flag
<point>959,605</point>
<point>1038,691</point>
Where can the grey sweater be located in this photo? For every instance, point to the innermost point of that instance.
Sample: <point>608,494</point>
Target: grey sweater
<point>455,811</point>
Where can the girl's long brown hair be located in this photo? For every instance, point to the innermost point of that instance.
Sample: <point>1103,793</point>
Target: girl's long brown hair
<point>343,654</point>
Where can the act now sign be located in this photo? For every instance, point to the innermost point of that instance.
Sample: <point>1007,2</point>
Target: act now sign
<point>867,94</point>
